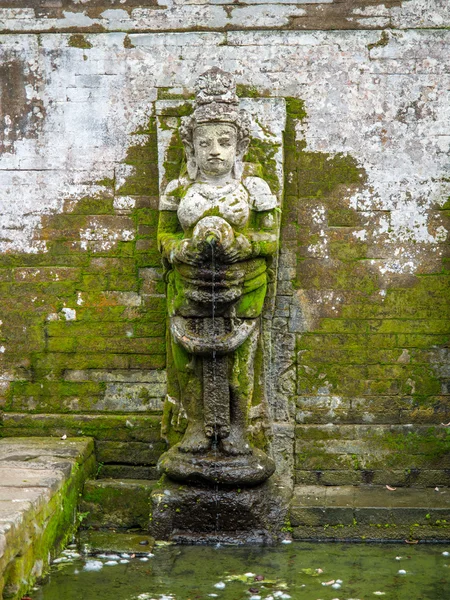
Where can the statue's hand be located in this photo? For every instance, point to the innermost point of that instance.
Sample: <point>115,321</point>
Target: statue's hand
<point>240,249</point>
<point>187,252</point>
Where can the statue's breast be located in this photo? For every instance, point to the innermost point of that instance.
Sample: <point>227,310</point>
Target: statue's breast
<point>233,206</point>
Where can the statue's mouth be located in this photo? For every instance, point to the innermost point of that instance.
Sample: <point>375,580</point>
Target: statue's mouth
<point>215,160</point>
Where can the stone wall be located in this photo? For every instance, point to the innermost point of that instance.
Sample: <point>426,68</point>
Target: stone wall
<point>361,361</point>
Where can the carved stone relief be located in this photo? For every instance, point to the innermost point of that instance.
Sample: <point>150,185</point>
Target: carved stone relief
<point>218,236</point>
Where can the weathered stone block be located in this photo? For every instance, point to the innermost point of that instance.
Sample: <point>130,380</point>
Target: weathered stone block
<point>100,427</point>
<point>128,472</point>
<point>129,453</point>
<point>39,488</point>
<point>368,513</point>
<point>222,514</point>
<point>114,503</point>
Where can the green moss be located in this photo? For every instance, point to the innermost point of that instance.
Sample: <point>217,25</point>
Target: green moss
<point>107,182</point>
<point>287,527</point>
<point>181,110</point>
<point>383,41</point>
<point>175,161</point>
<point>263,154</point>
<point>295,108</point>
<point>127,42</point>
<point>90,206</point>
<point>431,444</point>
<point>314,174</point>
<point>179,192</point>
<point>77,40</point>
<point>108,504</point>
<point>40,351</point>
<point>122,428</point>
<point>249,91</point>
<point>165,93</point>
<point>143,157</point>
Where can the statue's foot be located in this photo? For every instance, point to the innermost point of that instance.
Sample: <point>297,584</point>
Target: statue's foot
<point>217,432</point>
<point>194,441</point>
<point>235,445</point>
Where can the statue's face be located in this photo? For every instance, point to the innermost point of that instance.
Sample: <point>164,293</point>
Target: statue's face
<point>215,148</point>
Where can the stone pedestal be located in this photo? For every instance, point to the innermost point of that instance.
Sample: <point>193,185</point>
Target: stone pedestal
<point>217,468</point>
<point>219,514</point>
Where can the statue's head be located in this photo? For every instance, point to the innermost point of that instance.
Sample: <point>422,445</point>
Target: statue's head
<point>216,135</point>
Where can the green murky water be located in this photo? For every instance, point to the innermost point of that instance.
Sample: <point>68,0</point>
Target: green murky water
<point>296,571</point>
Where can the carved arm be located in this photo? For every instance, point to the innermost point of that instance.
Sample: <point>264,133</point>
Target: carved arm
<point>170,234</point>
<point>264,236</point>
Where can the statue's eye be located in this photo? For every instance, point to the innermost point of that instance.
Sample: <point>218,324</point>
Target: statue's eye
<point>225,142</point>
<point>203,143</point>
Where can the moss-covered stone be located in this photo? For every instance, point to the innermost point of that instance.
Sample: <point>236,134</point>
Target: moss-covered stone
<point>117,321</point>
<point>131,453</point>
<point>41,527</point>
<point>371,448</point>
<point>78,40</point>
<point>120,428</point>
<point>122,504</point>
<point>368,513</point>
<point>362,336</point>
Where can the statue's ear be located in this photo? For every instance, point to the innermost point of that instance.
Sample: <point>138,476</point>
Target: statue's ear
<point>191,163</point>
<point>242,147</point>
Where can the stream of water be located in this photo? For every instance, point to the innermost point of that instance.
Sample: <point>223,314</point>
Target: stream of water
<point>299,571</point>
<point>213,315</point>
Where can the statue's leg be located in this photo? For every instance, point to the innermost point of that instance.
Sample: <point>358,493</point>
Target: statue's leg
<point>216,389</point>
<point>189,370</point>
<point>241,392</point>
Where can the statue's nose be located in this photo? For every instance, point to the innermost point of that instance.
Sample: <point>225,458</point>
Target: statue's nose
<point>215,149</point>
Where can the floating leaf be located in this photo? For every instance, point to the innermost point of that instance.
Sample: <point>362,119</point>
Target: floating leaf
<point>311,572</point>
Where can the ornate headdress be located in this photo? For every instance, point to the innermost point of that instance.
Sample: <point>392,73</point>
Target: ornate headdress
<point>216,102</point>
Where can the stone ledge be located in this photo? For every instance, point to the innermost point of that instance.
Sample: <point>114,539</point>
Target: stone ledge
<point>417,478</point>
<point>370,512</point>
<point>40,480</point>
<point>224,15</point>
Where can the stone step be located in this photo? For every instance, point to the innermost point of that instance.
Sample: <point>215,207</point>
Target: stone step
<point>369,513</point>
<point>127,446</point>
<point>116,503</point>
<point>409,477</point>
<point>40,482</point>
<point>121,471</point>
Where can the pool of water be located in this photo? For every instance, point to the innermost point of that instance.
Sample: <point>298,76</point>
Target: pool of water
<point>298,571</point>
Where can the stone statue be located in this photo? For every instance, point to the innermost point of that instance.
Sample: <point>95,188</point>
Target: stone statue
<point>217,231</point>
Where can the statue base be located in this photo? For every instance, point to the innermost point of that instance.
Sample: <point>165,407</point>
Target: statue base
<point>191,514</point>
<point>217,468</point>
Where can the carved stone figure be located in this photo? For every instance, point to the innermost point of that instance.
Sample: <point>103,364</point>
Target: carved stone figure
<point>217,231</point>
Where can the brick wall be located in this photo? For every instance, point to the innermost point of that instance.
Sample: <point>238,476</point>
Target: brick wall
<point>361,326</point>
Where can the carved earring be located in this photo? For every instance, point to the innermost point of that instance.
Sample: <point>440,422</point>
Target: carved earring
<point>238,168</point>
<point>191,163</point>
<point>192,168</point>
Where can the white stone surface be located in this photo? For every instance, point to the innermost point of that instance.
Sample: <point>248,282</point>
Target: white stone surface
<point>385,105</point>
<point>217,14</point>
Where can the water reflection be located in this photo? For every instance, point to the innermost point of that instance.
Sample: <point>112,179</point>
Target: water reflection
<point>298,571</point>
